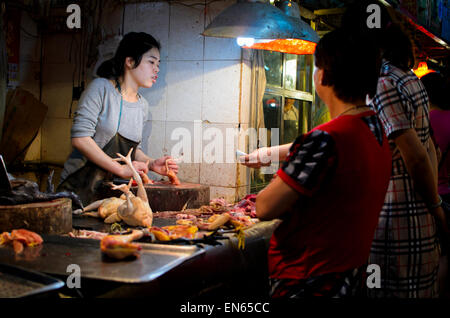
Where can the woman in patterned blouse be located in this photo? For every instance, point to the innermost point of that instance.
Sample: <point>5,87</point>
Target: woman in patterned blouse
<point>405,245</point>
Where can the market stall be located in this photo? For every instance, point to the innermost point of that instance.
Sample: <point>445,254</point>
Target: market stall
<point>188,249</point>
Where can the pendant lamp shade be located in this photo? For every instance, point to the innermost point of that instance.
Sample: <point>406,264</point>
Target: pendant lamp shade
<point>265,23</point>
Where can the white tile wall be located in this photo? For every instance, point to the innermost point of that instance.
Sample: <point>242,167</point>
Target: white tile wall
<point>221,49</point>
<point>243,176</point>
<point>183,137</point>
<point>186,26</point>
<point>189,164</point>
<point>189,172</point>
<point>245,92</point>
<point>152,18</point>
<point>184,99</point>
<point>218,174</point>
<point>153,138</point>
<point>218,155</point>
<point>220,134</point>
<point>156,95</point>
<point>221,82</point>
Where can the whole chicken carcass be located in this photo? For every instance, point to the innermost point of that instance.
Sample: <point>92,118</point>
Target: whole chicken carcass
<point>136,210</point>
<point>105,208</point>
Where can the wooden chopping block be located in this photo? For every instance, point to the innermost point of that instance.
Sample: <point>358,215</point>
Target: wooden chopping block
<point>169,197</point>
<point>51,217</point>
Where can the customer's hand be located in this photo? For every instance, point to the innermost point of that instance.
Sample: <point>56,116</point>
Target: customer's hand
<point>257,159</point>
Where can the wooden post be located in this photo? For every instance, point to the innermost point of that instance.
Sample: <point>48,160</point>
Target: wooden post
<point>3,69</point>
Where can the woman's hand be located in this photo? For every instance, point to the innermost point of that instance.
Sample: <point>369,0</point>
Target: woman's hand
<point>141,167</point>
<point>126,173</point>
<point>159,165</point>
<point>257,159</point>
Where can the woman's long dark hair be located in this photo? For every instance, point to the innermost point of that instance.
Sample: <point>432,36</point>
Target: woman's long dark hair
<point>134,45</point>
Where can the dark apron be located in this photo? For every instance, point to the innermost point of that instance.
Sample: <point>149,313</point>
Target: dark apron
<point>89,179</point>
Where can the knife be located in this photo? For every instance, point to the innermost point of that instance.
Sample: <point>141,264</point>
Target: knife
<point>5,183</point>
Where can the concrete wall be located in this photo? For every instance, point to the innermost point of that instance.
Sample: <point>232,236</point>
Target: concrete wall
<point>201,79</point>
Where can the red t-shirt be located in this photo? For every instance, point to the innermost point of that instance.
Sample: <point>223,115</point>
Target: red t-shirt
<point>342,170</point>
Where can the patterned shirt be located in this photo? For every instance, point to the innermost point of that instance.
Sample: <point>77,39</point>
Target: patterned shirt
<point>404,245</point>
<point>401,103</point>
<point>312,157</point>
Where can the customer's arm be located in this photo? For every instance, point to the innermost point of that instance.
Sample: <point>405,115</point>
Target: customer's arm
<point>265,155</point>
<point>275,199</point>
<point>419,166</point>
<point>433,159</point>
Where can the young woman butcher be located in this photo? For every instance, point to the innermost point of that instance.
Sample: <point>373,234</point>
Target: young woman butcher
<point>110,119</point>
<point>330,189</point>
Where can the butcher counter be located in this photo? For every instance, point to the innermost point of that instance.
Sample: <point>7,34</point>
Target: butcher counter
<point>196,269</point>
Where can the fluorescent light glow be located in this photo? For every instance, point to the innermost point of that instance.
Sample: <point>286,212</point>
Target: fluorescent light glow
<point>245,41</point>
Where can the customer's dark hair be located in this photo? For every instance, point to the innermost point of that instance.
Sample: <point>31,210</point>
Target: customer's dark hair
<point>436,89</point>
<point>397,48</point>
<point>350,64</point>
<point>134,45</point>
<point>392,41</point>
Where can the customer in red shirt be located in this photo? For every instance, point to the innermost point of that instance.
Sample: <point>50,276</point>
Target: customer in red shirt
<point>329,191</point>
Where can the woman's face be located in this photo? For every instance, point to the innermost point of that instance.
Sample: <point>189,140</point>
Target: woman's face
<point>146,73</point>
